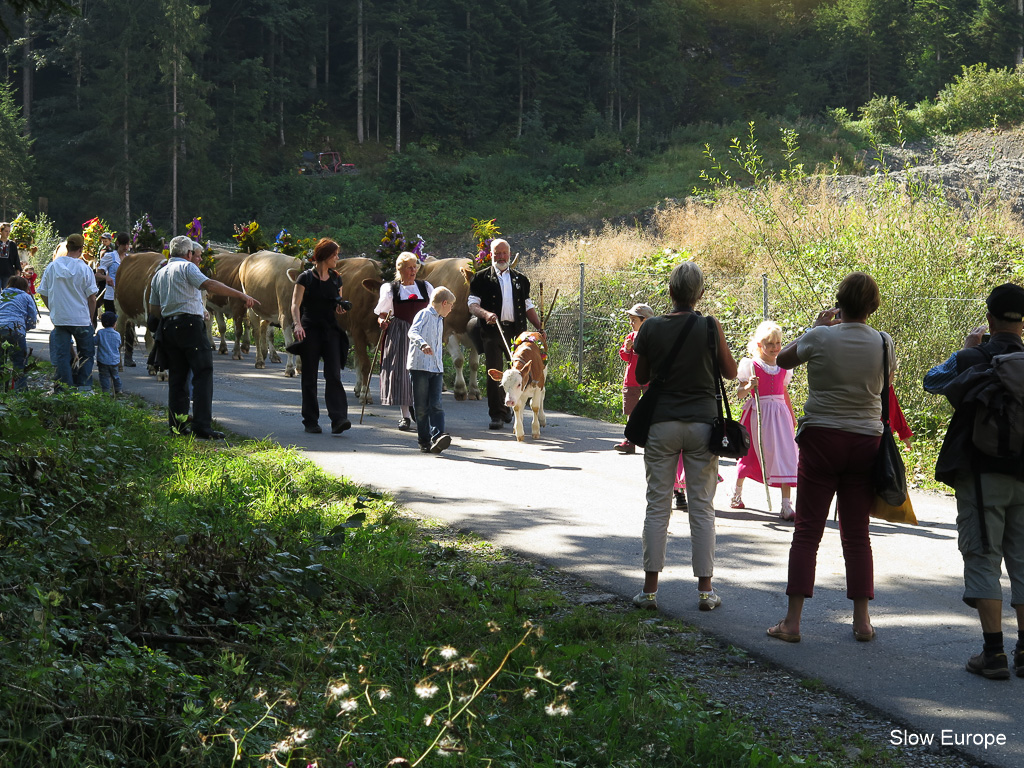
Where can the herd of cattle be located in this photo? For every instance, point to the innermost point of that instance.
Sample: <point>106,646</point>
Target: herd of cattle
<point>269,277</point>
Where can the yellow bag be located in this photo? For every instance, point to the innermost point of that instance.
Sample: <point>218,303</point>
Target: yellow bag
<point>904,513</point>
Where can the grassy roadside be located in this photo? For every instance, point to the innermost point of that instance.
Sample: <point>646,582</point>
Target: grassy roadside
<point>166,602</point>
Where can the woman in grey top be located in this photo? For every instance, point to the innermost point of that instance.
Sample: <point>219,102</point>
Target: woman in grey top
<point>681,424</point>
<point>838,436</point>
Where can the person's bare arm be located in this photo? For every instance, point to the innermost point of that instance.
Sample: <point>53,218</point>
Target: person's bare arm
<point>726,362</point>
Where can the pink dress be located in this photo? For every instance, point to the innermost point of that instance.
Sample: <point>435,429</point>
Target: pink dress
<point>780,452</point>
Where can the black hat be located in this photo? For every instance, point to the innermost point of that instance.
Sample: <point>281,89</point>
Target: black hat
<point>108,319</point>
<point>1006,302</point>
<point>295,348</point>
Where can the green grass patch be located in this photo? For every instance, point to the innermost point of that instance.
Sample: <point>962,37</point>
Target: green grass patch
<point>166,602</point>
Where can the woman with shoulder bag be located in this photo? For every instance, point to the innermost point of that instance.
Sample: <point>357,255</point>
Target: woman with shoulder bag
<point>673,350</point>
<point>316,303</point>
<point>838,435</point>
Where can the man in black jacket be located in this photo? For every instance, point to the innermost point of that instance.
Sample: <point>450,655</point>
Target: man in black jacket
<point>499,300</point>
<point>995,533</point>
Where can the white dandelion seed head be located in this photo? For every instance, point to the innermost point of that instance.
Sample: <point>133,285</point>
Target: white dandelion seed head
<point>384,693</point>
<point>348,705</point>
<point>569,687</point>
<point>448,653</point>
<point>557,710</point>
<point>541,673</point>
<point>529,693</point>
<point>426,690</point>
<point>302,735</point>
<point>338,689</point>
<point>428,719</point>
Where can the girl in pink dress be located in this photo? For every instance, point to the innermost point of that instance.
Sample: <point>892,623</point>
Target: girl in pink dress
<point>759,373</point>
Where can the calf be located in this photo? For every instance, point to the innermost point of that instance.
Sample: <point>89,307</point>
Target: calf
<point>525,380</point>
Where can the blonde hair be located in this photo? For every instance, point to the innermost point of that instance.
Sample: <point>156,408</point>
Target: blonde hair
<point>441,295</point>
<point>404,258</point>
<point>769,330</point>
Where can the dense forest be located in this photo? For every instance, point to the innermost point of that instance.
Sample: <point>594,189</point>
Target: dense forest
<point>178,109</point>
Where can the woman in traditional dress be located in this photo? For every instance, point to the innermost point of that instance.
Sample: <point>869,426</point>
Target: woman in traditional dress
<point>399,302</point>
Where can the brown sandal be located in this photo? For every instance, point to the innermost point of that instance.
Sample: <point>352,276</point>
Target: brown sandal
<point>778,632</point>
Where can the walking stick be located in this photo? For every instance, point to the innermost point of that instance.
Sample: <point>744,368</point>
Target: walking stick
<point>369,373</point>
<point>760,445</point>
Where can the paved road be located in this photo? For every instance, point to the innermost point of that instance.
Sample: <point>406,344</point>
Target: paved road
<point>571,502</point>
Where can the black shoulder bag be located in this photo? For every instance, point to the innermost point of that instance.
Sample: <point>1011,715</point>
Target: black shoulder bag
<point>638,425</point>
<point>888,474</point>
<point>728,438</point>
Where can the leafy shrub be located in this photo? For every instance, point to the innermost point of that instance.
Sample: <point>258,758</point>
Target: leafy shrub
<point>888,120</point>
<point>978,98</point>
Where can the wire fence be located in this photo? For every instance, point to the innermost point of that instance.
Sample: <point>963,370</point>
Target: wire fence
<point>587,323</point>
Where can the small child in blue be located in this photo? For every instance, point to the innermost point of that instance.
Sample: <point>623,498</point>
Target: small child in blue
<point>426,336</point>
<point>108,353</point>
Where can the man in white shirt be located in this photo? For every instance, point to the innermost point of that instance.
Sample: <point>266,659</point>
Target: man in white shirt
<point>68,288</point>
<point>499,300</point>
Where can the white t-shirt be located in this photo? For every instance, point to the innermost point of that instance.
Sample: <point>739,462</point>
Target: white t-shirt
<point>844,377</point>
<point>67,284</point>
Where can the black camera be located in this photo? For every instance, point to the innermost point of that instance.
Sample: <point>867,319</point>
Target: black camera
<point>343,303</point>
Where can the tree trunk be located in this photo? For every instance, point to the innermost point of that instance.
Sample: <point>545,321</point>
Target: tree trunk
<point>26,77</point>
<point>360,71</point>
<point>125,147</point>
<point>522,96</point>
<point>280,103</point>
<point>398,96</point>
<point>174,145</point>
<point>327,45</point>
<point>378,94</point>
<point>469,45</point>
<point>611,66</point>
<point>1020,24</point>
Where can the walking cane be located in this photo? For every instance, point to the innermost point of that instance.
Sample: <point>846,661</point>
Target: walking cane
<point>760,445</point>
<point>369,373</point>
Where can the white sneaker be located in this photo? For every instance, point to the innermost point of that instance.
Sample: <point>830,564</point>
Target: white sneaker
<point>646,600</point>
<point>787,512</point>
<point>708,601</point>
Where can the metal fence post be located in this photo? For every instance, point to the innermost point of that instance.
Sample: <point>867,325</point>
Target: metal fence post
<point>579,345</point>
<point>764,293</point>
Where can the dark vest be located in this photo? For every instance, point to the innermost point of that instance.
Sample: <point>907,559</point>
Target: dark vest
<point>485,285</point>
<point>406,309</point>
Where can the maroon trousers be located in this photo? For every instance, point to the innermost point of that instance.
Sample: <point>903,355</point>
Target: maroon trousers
<point>833,463</point>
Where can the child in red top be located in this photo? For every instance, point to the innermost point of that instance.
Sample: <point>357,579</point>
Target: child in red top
<point>631,390</point>
<point>29,274</point>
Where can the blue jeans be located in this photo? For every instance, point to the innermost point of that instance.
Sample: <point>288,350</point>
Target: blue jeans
<point>426,396</point>
<point>108,374</point>
<point>60,354</point>
<point>18,354</point>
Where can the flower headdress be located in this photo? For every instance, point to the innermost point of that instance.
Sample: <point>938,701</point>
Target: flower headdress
<point>250,238</point>
<point>145,236</point>
<point>484,232</point>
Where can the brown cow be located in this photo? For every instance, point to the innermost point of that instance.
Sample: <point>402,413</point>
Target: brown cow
<point>359,322</point>
<point>453,274</point>
<point>525,379</point>
<point>269,277</point>
<point>131,298</point>
<point>226,271</point>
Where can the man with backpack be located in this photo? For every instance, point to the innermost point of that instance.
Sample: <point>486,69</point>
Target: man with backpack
<point>982,458</point>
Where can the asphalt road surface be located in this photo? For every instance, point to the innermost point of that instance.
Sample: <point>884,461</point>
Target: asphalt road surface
<point>568,500</point>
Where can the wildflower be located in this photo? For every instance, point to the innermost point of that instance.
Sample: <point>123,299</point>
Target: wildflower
<point>561,710</point>
<point>542,673</point>
<point>449,653</point>
<point>493,626</point>
<point>529,693</point>
<point>428,719</point>
<point>569,687</point>
<point>302,735</point>
<point>348,705</point>
<point>336,690</point>
<point>426,689</point>
<point>384,693</point>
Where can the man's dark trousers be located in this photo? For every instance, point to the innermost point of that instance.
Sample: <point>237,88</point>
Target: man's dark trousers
<point>187,349</point>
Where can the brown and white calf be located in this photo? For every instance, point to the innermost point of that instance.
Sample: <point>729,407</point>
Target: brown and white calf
<point>525,380</point>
